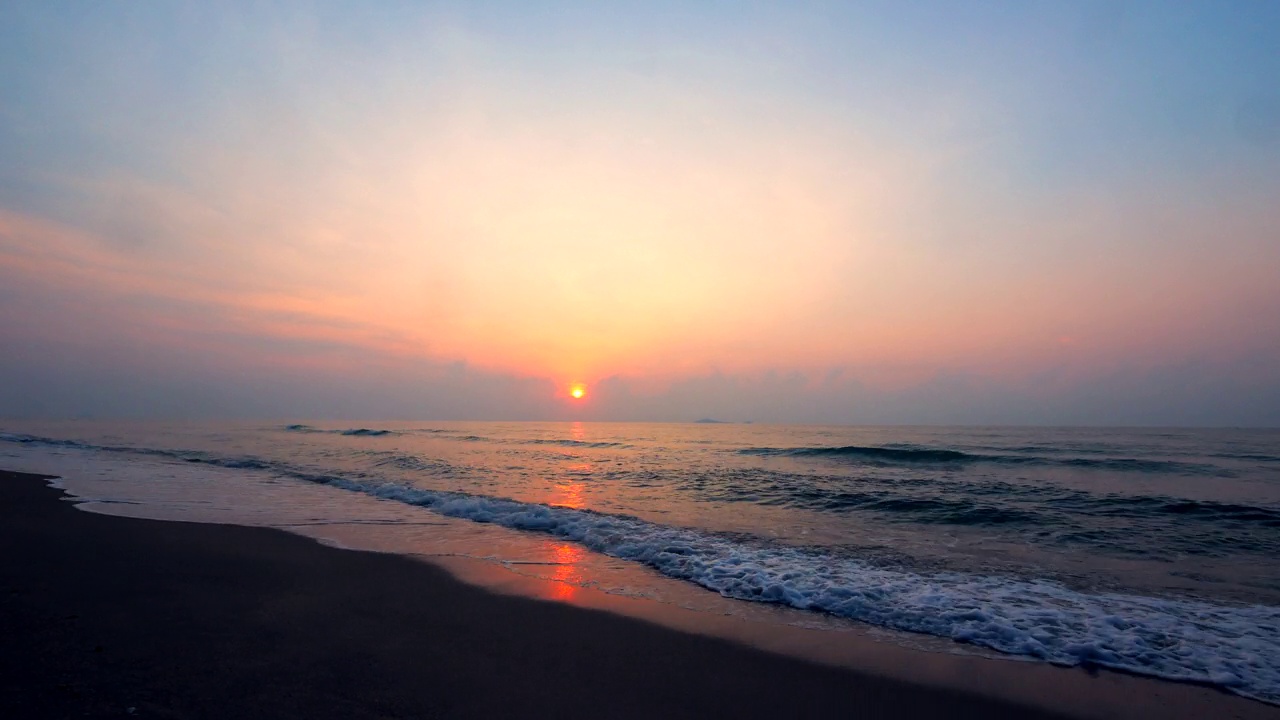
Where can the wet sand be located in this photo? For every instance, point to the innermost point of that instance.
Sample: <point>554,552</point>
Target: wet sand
<point>106,616</point>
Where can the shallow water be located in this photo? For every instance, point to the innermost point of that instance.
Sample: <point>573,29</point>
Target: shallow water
<point>1147,550</point>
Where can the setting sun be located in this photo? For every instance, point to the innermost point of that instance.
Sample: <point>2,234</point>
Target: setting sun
<point>578,392</point>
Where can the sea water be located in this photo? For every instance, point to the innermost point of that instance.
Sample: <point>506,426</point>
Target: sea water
<point>1147,550</point>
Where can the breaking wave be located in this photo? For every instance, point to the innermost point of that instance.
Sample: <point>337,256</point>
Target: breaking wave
<point>1233,647</point>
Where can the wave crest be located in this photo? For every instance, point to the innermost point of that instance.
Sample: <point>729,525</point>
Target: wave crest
<point>356,432</point>
<point>896,455</point>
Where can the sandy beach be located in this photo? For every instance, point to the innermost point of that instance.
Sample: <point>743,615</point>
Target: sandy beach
<point>108,616</point>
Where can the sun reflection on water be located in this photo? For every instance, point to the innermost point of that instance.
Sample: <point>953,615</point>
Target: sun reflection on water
<point>569,494</point>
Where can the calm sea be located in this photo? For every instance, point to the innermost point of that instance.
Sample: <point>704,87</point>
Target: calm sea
<point>1154,551</point>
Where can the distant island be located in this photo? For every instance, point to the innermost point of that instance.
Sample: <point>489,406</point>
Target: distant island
<point>710,421</point>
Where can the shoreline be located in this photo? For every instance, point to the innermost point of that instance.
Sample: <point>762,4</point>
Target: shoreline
<point>175,619</point>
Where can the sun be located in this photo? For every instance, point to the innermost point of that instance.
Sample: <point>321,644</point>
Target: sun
<point>578,392</point>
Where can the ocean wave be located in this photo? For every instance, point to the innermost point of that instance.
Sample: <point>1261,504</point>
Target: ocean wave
<point>356,432</point>
<point>1206,528</point>
<point>922,502</point>
<point>1126,465</point>
<point>1075,448</point>
<point>403,462</point>
<point>232,463</point>
<point>901,455</point>
<point>1234,647</point>
<point>541,441</point>
<point>1116,524</point>
<point>37,440</point>
<point>414,463</point>
<point>1231,646</point>
<point>1258,457</point>
<point>1191,509</point>
<point>890,454</point>
<point>576,443</point>
<point>954,512</point>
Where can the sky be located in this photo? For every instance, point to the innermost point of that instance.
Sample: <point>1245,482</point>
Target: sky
<point>1053,213</point>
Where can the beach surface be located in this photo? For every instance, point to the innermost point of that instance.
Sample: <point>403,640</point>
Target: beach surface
<point>108,616</point>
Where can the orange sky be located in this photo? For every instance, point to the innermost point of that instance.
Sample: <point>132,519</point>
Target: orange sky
<point>666,209</point>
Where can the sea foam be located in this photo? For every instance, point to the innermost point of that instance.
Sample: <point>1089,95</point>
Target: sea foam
<point>1236,647</point>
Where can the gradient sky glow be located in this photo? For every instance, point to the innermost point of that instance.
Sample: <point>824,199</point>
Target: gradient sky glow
<point>1007,212</point>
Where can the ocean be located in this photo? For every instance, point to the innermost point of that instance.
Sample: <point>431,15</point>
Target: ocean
<point>1151,551</point>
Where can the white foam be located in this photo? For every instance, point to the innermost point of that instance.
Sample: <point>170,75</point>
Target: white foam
<point>1236,647</point>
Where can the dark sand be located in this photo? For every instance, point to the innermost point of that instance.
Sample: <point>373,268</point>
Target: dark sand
<point>108,616</point>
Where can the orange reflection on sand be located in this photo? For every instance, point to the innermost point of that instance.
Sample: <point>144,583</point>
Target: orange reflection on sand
<point>567,574</point>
